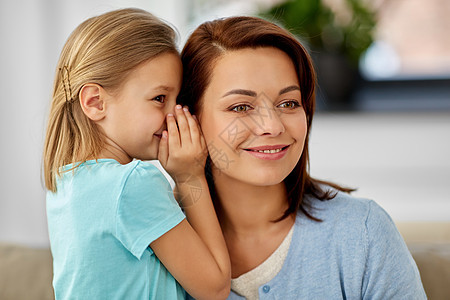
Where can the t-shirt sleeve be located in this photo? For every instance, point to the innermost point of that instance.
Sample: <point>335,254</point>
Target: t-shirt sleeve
<point>146,209</point>
<point>391,272</point>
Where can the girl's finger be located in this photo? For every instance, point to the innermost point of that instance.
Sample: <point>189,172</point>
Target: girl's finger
<point>202,141</point>
<point>183,126</point>
<point>173,135</point>
<point>163,152</point>
<point>193,127</point>
<point>200,132</point>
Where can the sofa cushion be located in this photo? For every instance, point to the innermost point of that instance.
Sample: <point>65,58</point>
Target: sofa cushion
<point>433,261</point>
<point>25,273</point>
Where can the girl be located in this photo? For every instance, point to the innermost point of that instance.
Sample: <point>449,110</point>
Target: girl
<point>289,236</point>
<point>114,224</point>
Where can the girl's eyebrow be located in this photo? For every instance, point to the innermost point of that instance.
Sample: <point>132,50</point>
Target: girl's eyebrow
<point>163,87</point>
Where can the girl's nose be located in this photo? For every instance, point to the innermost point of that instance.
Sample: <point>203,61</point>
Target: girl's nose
<point>170,108</point>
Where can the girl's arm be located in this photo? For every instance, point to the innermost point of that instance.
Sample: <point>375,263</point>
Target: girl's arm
<point>194,251</point>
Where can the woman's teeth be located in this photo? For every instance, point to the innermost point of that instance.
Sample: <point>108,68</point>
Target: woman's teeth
<point>269,151</point>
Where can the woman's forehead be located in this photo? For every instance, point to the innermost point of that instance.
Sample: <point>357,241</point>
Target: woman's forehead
<point>253,69</point>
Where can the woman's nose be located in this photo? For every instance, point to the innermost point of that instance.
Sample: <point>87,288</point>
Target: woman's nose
<point>268,122</point>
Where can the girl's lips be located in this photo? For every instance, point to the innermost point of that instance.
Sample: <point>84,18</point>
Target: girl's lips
<point>159,135</point>
<point>274,152</point>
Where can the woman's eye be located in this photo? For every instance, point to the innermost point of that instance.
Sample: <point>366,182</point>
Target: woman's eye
<point>289,104</point>
<point>160,98</point>
<point>241,108</point>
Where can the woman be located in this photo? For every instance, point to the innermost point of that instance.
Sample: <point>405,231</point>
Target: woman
<point>289,236</point>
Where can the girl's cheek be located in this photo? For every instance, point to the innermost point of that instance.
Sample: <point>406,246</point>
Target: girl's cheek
<point>161,117</point>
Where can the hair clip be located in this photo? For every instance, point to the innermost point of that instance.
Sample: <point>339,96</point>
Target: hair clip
<point>67,90</point>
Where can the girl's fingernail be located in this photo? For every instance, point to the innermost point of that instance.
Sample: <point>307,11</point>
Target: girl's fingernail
<point>170,115</point>
<point>185,108</point>
<point>164,134</point>
<point>178,106</point>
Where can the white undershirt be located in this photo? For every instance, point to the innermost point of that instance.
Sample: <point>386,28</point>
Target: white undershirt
<point>248,283</point>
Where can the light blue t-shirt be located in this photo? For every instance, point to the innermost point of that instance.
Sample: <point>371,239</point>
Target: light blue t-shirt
<point>101,221</point>
<point>356,252</point>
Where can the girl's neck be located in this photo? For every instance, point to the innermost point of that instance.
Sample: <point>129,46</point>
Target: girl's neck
<point>248,210</point>
<point>113,151</point>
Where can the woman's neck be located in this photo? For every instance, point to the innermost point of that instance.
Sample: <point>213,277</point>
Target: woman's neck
<point>245,209</point>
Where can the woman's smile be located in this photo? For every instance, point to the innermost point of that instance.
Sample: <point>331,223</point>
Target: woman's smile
<point>268,152</point>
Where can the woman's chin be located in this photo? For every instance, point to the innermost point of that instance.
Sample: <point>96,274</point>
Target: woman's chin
<point>261,179</point>
<point>268,180</point>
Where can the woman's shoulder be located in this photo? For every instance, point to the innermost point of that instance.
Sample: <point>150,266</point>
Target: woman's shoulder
<point>345,211</point>
<point>341,204</point>
<point>347,224</point>
<point>355,249</point>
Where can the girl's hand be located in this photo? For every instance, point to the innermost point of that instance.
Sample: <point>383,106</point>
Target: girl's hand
<point>194,251</point>
<point>182,150</point>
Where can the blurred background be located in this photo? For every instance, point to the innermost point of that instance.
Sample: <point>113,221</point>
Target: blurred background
<point>383,120</point>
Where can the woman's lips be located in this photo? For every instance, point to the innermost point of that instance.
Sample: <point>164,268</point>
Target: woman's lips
<point>268,152</point>
<point>158,135</point>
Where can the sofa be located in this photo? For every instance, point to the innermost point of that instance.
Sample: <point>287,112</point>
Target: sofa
<point>429,244</point>
<point>26,273</point>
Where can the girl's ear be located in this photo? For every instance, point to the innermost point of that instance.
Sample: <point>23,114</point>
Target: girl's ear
<point>92,101</point>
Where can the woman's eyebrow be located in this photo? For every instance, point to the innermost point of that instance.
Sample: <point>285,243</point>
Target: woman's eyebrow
<point>253,93</point>
<point>289,89</point>
<point>240,92</point>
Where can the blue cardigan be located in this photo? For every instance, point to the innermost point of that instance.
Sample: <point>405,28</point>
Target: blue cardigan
<point>355,253</point>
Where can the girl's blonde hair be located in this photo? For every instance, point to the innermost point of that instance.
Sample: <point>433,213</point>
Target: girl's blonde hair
<point>102,50</point>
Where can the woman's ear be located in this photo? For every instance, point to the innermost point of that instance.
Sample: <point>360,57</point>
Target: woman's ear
<point>92,101</point>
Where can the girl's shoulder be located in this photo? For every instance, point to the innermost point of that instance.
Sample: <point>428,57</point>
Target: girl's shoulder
<point>146,177</point>
<point>109,171</point>
<point>145,171</point>
<point>108,165</point>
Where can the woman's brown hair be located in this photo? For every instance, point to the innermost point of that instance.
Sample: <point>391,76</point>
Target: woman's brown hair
<point>208,43</point>
<point>102,50</point>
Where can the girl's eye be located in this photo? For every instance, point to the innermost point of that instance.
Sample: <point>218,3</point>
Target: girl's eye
<point>241,108</point>
<point>289,104</point>
<point>160,98</point>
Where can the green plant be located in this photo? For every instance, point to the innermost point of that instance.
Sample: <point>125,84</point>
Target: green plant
<point>322,29</point>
